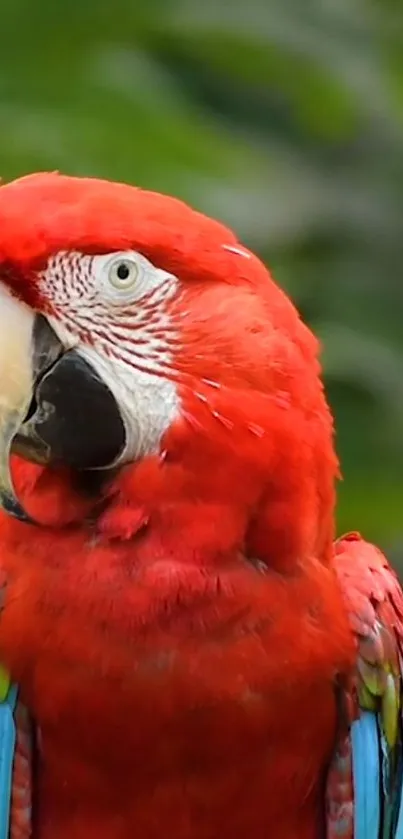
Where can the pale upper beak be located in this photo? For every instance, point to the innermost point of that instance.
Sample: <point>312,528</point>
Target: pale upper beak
<point>16,376</point>
<point>54,408</point>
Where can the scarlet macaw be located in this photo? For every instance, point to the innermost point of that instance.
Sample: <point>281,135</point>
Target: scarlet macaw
<point>191,646</point>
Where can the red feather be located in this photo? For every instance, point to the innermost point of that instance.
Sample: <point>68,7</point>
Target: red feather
<point>180,650</point>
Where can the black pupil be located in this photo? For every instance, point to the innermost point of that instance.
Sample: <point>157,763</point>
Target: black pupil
<point>123,271</point>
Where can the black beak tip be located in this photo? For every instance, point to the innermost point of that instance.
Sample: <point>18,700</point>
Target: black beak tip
<point>11,506</point>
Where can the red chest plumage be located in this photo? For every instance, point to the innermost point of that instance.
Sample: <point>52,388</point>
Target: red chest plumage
<point>171,698</point>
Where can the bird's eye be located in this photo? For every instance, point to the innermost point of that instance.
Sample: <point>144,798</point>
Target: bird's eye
<point>123,273</point>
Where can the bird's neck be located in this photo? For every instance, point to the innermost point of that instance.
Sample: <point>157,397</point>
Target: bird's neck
<point>273,501</point>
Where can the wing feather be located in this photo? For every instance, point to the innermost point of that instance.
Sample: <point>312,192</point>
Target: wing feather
<point>364,790</point>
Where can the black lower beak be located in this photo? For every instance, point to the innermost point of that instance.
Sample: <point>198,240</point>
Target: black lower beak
<point>74,418</point>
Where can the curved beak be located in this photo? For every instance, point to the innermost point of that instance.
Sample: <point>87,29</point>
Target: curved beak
<point>54,408</point>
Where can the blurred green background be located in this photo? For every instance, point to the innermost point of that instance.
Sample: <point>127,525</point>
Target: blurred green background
<point>285,119</point>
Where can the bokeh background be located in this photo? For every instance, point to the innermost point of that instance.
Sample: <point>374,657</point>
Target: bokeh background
<point>284,119</point>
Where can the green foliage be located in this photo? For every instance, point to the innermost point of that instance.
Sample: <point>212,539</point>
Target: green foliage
<point>283,119</point>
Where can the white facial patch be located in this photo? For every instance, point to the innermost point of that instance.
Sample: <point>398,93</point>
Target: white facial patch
<point>113,309</point>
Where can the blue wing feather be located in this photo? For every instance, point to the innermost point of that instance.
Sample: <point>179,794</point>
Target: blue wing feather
<point>366,776</point>
<point>7,749</point>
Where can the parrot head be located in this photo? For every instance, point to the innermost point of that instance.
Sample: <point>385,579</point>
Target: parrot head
<point>137,334</point>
